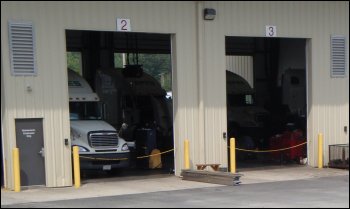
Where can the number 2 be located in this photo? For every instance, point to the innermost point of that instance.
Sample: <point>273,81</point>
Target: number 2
<point>125,25</point>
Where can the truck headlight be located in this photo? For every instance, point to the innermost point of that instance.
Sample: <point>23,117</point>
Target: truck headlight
<point>83,149</point>
<point>125,147</point>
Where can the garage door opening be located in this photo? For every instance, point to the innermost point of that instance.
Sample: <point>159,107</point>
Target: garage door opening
<point>130,80</point>
<point>266,100</point>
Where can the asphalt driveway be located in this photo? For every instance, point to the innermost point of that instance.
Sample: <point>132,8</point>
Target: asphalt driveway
<point>322,192</point>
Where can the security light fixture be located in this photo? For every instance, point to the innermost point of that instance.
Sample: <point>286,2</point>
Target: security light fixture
<point>209,14</point>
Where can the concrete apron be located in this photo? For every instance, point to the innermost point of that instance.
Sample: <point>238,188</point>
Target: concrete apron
<point>278,173</point>
<point>126,185</point>
<point>100,188</point>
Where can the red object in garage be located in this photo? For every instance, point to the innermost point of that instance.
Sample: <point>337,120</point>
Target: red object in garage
<point>285,140</point>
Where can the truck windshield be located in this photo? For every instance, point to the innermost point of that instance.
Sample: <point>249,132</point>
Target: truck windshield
<point>240,100</point>
<point>85,111</point>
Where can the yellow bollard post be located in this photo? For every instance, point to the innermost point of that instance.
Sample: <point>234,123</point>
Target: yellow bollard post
<point>187,154</point>
<point>320,150</point>
<point>232,155</point>
<point>76,165</point>
<point>16,170</point>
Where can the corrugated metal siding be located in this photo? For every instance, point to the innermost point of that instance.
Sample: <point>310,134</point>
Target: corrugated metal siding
<point>199,74</point>
<point>49,97</point>
<point>4,151</point>
<point>241,65</point>
<point>329,103</point>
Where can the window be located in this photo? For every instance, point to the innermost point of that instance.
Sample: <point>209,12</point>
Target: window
<point>22,48</point>
<point>156,65</point>
<point>118,60</point>
<point>239,100</point>
<point>74,62</point>
<point>249,99</point>
<point>85,110</point>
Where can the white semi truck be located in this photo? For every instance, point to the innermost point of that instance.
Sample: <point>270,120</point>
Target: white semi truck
<point>100,146</point>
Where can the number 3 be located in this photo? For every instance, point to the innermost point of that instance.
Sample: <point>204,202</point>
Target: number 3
<point>271,32</point>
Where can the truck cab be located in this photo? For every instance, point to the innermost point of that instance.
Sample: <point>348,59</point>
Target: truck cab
<point>100,146</point>
<point>242,111</point>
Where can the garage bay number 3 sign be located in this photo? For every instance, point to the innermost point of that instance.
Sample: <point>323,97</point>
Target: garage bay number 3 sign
<point>123,24</point>
<point>270,31</point>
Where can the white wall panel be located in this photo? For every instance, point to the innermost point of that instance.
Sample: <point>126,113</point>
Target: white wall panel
<point>49,99</point>
<point>328,97</point>
<point>241,65</point>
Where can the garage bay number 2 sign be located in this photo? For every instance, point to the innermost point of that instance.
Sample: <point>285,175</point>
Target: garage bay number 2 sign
<point>123,25</point>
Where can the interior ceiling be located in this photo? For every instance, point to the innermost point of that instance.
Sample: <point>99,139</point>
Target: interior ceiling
<point>152,43</point>
<point>240,45</point>
<point>121,42</point>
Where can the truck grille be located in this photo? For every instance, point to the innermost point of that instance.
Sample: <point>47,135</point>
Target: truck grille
<point>103,139</point>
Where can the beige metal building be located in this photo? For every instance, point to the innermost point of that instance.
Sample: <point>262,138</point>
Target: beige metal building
<point>199,64</point>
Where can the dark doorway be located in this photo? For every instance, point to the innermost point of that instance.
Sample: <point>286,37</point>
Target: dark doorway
<point>132,75</point>
<point>266,99</point>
